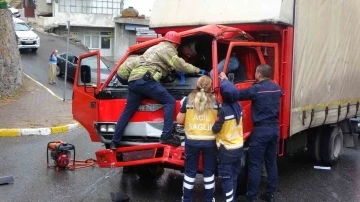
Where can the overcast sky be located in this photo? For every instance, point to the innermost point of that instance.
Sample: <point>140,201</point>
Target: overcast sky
<point>143,6</point>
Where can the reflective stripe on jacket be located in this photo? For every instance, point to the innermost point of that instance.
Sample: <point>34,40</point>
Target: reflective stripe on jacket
<point>127,66</point>
<point>231,134</point>
<point>161,59</point>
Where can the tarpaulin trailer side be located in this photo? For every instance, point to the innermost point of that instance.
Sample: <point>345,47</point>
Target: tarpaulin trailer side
<point>326,68</point>
<point>326,62</point>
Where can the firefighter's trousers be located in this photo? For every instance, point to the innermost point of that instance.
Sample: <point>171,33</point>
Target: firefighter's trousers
<point>263,144</point>
<point>139,90</point>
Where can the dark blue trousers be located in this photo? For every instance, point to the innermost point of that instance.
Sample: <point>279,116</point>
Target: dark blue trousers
<point>229,172</point>
<point>139,90</point>
<point>263,144</point>
<point>192,155</point>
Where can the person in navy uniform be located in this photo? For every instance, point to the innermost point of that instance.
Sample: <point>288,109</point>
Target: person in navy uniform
<point>265,104</point>
<point>229,139</point>
<point>199,111</point>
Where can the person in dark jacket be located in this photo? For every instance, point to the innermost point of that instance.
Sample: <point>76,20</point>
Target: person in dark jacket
<point>265,105</point>
<point>229,139</point>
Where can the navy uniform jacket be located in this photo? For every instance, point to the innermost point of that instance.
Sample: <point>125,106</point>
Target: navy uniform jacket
<point>265,101</point>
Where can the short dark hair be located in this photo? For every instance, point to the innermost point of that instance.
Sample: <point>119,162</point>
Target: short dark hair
<point>265,70</point>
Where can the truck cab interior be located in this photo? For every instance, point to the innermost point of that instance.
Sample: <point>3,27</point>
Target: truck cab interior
<point>200,46</point>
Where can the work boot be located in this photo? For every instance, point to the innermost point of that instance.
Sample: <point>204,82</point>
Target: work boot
<point>267,197</point>
<point>171,140</point>
<point>114,145</point>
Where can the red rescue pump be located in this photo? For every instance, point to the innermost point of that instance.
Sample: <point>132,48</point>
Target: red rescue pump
<point>60,153</point>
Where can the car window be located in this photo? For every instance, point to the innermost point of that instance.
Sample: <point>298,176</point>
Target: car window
<point>71,58</point>
<point>91,61</point>
<point>21,27</point>
<point>63,56</point>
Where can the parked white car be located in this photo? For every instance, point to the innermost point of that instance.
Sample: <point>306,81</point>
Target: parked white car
<point>26,38</point>
<point>15,12</point>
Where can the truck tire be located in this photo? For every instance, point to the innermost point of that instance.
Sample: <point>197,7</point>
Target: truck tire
<point>331,147</point>
<point>149,171</point>
<point>315,146</point>
<point>242,181</point>
<point>34,50</point>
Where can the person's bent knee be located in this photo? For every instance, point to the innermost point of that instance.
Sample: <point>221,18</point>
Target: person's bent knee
<point>171,101</point>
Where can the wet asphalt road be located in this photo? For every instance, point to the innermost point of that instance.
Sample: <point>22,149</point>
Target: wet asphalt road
<point>25,159</point>
<point>36,64</point>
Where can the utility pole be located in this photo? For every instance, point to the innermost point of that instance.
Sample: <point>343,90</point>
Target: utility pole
<point>67,57</point>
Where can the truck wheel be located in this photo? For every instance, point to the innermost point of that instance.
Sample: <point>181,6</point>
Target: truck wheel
<point>243,176</point>
<point>150,171</point>
<point>34,50</point>
<point>315,146</point>
<point>332,143</point>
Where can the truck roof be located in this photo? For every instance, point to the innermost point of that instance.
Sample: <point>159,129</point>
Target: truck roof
<point>218,31</point>
<point>204,12</point>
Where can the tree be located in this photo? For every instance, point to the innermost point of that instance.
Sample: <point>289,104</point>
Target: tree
<point>11,77</point>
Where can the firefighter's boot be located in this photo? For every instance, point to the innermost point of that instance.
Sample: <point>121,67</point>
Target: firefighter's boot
<point>171,140</point>
<point>114,145</point>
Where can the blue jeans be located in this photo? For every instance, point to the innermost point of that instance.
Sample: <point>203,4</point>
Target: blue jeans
<point>192,155</point>
<point>229,172</point>
<point>139,90</point>
<point>263,143</point>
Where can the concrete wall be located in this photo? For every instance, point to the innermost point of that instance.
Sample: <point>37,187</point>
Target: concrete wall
<point>42,7</point>
<point>80,32</point>
<point>78,19</point>
<point>123,39</point>
<point>11,77</point>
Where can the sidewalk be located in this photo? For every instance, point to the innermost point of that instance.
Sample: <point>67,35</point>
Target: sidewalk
<point>34,111</point>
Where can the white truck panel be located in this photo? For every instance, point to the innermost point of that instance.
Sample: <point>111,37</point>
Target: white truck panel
<point>326,68</point>
<point>169,13</point>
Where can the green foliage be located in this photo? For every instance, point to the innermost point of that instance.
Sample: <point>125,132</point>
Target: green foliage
<point>3,4</point>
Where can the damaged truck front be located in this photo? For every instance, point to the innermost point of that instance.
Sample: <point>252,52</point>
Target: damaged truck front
<point>314,61</point>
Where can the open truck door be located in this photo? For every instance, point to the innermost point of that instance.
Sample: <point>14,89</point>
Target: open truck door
<point>86,85</point>
<point>253,53</point>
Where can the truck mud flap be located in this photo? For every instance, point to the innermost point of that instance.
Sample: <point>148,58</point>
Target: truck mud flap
<point>140,155</point>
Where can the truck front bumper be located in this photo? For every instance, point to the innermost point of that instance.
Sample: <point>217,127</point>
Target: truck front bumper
<point>141,155</point>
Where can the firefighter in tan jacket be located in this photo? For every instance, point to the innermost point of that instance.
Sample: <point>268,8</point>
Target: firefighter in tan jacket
<point>126,67</point>
<point>156,63</point>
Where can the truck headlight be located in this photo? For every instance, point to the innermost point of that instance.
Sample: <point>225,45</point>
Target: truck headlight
<point>103,128</point>
<point>106,127</point>
<point>111,128</point>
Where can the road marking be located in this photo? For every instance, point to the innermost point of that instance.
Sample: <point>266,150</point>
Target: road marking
<point>48,89</point>
<point>10,132</point>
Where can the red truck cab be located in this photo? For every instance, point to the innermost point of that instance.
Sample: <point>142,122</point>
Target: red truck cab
<point>97,104</point>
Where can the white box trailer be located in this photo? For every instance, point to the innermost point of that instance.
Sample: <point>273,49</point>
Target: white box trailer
<point>326,53</point>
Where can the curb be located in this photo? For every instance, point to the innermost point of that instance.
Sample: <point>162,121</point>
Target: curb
<point>38,131</point>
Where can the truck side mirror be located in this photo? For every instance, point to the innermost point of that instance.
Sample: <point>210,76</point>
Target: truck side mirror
<point>85,74</point>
